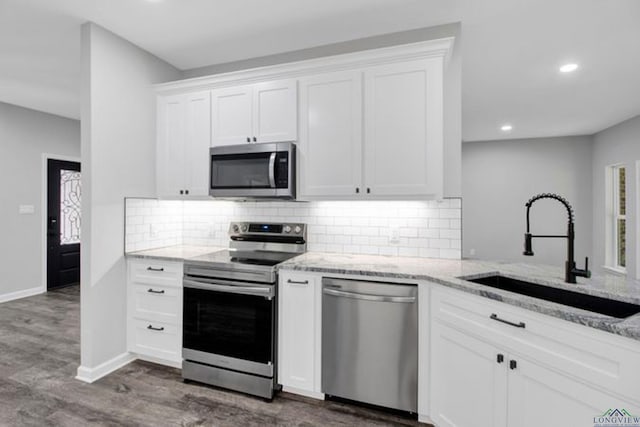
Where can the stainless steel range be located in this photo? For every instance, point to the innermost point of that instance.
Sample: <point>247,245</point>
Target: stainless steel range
<point>230,310</point>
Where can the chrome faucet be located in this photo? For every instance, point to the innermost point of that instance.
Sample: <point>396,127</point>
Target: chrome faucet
<point>571,272</point>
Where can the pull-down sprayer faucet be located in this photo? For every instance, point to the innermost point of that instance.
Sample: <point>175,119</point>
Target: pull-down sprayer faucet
<point>571,272</point>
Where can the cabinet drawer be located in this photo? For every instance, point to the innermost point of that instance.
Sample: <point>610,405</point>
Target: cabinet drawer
<point>585,353</point>
<point>156,339</point>
<point>153,272</point>
<point>160,303</point>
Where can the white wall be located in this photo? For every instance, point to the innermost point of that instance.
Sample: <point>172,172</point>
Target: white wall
<point>118,156</point>
<point>620,144</point>
<point>453,76</point>
<point>499,177</point>
<point>24,136</point>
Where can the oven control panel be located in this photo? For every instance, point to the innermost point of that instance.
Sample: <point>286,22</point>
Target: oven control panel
<point>267,228</point>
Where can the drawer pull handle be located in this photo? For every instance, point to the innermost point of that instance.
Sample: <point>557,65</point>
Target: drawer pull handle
<point>160,329</point>
<point>153,291</point>
<point>517,325</point>
<point>154,269</point>
<point>298,282</point>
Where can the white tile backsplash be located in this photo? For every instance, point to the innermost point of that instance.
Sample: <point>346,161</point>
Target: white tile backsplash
<point>426,228</point>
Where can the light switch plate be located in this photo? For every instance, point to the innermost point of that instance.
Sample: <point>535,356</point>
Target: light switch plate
<point>26,209</point>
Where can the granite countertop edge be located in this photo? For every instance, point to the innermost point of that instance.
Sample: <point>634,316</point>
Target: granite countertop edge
<point>628,327</point>
<point>177,253</point>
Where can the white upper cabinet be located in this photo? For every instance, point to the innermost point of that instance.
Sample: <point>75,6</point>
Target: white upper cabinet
<point>330,148</point>
<point>371,122</point>
<point>170,145</point>
<point>184,138</point>
<point>275,111</point>
<point>263,112</point>
<point>400,153</point>
<point>232,115</point>
<point>403,129</point>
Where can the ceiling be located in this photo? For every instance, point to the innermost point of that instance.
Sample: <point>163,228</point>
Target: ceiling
<point>511,50</point>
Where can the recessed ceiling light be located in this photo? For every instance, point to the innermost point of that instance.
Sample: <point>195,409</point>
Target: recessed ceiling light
<point>506,128</point>
<point>568,68</point>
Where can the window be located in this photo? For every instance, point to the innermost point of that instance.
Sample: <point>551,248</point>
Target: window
<point>618,220</point>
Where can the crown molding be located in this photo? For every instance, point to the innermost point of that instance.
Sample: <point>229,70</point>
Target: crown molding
<point>439,48</point>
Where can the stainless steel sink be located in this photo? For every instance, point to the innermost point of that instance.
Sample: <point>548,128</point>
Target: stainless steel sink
<point>609,307</point>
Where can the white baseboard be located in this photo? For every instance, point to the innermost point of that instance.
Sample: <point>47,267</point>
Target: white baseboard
<point>311,394</point>
<point>21,294</point>
<point>425,419</point>
<point>160,361</point>
<point>89,375</point>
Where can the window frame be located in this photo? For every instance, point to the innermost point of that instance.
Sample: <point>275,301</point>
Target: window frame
<point>614,216</point>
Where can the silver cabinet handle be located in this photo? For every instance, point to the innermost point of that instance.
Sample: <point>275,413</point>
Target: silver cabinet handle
<point>272,170</point>
<point>154,269</point>
<point>369,297</point>
<point>153,291</point>
<point>296,282</point>
<point>151,328</point>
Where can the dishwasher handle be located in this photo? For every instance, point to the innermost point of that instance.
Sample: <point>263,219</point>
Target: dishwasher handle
<point>369,297</point>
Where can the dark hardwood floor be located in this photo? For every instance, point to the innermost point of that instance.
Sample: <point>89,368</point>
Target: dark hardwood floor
<point>39,355</point>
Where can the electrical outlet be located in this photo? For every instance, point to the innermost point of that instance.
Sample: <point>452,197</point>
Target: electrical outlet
<point>472,252</point>
<point>212,232</point>
<point>394,235</point>
<point>153,230</point>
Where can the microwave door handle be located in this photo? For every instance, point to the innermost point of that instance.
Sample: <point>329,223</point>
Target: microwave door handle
<point>272,170</point>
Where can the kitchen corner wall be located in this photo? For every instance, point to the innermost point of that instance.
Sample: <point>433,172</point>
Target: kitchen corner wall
<point>118,140</point>
<point>430,229</point>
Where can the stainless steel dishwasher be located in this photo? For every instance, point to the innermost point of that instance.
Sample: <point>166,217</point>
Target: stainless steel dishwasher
<point>370,342</point>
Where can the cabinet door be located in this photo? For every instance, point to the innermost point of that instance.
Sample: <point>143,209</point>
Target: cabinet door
<point>197,143</point>
<point>275,109</point>
<point>330,149</point>
<point>170,145</point>
<point>231,115</point>
<point>404,129</point>
<point>539,396</point>
<point>468,383</point>
<point>297,313</point>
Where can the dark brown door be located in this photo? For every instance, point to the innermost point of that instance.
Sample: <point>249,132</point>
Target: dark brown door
<point>63,224</point>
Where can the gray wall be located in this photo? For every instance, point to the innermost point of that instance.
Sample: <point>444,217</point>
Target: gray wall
<point>500,176</point>
<point>118,156</point>
<point>453,97</point>
<point>620,144</point>
<point>24,136</point>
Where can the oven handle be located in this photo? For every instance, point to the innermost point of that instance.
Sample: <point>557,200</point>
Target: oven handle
<point>272,170</point>
<point>230,288</point>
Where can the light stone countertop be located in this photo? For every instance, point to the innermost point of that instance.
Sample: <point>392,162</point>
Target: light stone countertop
<point>449,272</point>
<point>174,253</point>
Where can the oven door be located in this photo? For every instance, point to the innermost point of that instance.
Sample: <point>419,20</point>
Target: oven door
<point>253,170</point>
<point>229,324</point>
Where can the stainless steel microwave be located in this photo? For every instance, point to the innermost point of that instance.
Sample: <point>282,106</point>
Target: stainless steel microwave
<point>253,171</point>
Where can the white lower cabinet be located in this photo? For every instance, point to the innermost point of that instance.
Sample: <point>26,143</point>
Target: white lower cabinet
<point>539,396</point>
<point>299,314</point>
<point>154,310</point>
<point>468,385</point>
<point>486,373</point>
